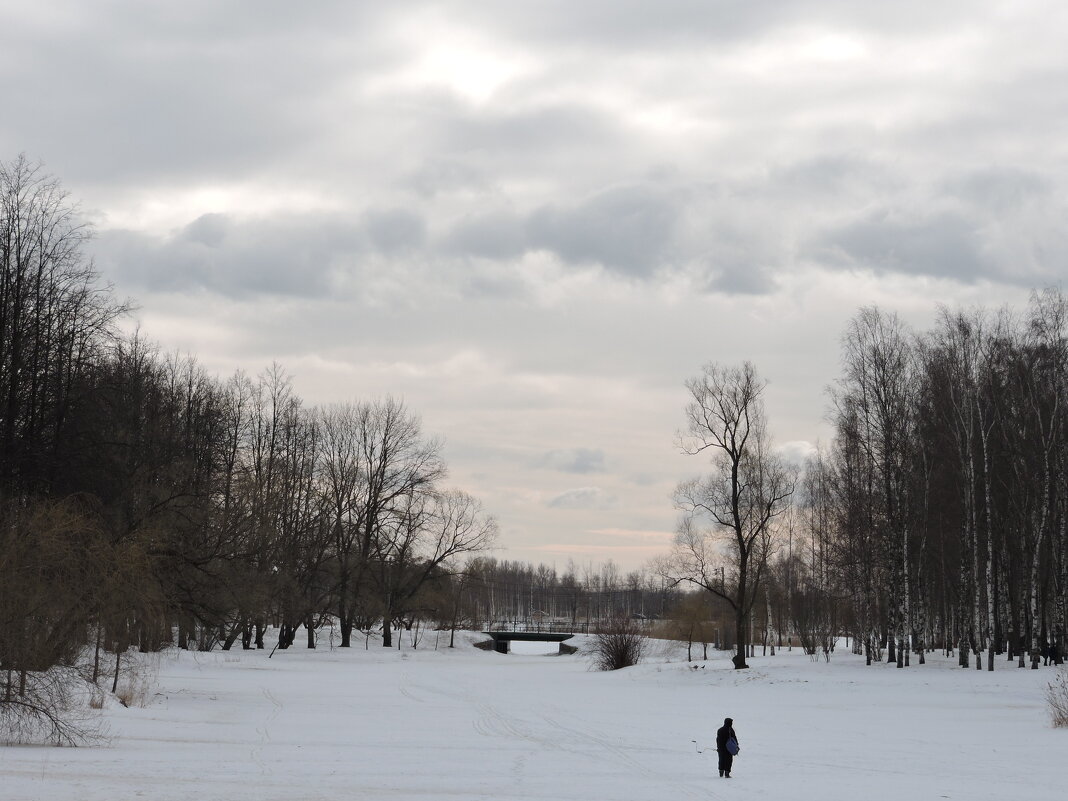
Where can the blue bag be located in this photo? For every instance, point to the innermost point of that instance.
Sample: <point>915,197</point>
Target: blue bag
<point>732,746</point>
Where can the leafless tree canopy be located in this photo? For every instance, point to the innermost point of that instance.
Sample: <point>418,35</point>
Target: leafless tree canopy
<point>937,517</point>
<point>730,515</point>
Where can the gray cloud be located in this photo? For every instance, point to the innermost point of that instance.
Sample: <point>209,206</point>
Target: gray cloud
<point>827,177</point>
<point>331,103</point>
<point>735,239</point>
<point>540,132</point>
<point>445,175</point>
<point>945,244</point>
<point>797,452</point>
<point>394,230</point>
<point>1002,224</point>
<point>998,189</point>
<point>613,24</point>
<point>740,279</point>
<point>176,93</point>
<point>742,258</point>
<point>582,498</point>
<point>279,255</point>
<point>573,460</point>
<point>492,235</point>
<point>208,229</point>
<point>628,229</point>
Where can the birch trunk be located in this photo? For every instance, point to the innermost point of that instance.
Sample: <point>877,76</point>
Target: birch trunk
<point>1036,566</point>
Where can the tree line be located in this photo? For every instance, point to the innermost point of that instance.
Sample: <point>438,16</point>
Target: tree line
<point>500,592</point>
<point>937,518</point>
<point>143,501</point>
<point>942,503</point>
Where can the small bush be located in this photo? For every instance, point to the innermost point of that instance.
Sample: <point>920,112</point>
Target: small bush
<point>1057,696</point>
<point>132,695</point>
<point>618,643</point>
<point>137,680</point>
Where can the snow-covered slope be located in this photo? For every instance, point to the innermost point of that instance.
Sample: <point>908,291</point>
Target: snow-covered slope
<point>469,724</point>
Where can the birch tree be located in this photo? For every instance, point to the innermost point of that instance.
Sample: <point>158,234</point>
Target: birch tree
<point>876,402</point>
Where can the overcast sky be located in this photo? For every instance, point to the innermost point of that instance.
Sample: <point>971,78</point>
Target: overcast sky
<point>534,221</point>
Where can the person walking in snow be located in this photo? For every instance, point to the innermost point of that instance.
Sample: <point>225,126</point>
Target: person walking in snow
<point>726,740</point>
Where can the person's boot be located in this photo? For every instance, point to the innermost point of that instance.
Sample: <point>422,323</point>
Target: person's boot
<point>726,775</point>
<point>721,774</point>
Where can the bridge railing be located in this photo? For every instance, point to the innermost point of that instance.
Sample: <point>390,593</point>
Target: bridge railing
<point>539,626</point>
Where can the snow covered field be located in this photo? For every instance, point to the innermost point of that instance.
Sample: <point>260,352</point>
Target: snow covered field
<point>469,724</point>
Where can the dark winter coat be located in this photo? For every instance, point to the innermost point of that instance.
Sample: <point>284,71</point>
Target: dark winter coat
<point>723,734</point>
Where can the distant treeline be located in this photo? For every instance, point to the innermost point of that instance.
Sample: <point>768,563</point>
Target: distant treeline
<point>498,592</point>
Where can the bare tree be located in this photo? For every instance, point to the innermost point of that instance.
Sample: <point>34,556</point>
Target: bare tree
<point>728,528</point>
<point>343,486</point>
<point>56,316</point>
<point>421,545</point>
<point>401,469</point>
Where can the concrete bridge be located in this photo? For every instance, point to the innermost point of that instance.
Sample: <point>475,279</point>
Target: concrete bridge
<point>503,639</point>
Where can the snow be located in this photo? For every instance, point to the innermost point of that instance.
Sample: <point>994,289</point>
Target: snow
<point>470,724</point>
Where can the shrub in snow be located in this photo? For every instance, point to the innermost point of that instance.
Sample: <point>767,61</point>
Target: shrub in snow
<point>47,706</point>
<point>134,687</point>
<point>618,643</point>
<point>1057,696</point>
